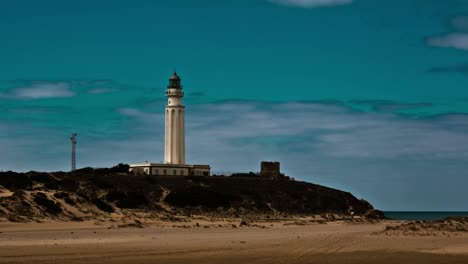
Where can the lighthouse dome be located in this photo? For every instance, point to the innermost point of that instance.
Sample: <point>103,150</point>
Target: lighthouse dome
<point>175,77</point>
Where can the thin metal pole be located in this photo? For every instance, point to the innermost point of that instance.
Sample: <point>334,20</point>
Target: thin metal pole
<point>73,155</point>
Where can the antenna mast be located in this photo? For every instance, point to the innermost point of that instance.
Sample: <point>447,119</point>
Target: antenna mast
<point>73,154</point>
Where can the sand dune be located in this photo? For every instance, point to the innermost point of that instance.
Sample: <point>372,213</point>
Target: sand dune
<point>215,242</point>
<point>452,226</point>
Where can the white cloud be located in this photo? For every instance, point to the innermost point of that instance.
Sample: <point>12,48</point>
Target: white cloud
<point>101,90</point>
<point>132,112</point>
<point>453,40</point>
<point>331,130</point>
<point>311,3</point>
<point>456,40</point>
<point>336,130</point>
<point>41,90</point>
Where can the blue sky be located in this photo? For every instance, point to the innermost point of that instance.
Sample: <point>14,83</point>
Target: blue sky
<point>366,96</point>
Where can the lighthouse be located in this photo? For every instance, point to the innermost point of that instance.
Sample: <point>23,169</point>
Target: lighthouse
<point>174,139</point>
<point>174,147</point>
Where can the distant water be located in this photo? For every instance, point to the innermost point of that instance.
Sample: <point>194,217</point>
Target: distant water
<point>423,215</point>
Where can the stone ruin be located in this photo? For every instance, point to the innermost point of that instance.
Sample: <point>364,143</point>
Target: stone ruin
<point>270,169</point>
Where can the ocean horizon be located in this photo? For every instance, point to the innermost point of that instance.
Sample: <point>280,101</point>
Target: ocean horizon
<point>420,215</point>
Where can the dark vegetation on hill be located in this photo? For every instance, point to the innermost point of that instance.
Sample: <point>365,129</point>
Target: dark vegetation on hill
<point>88,193</point>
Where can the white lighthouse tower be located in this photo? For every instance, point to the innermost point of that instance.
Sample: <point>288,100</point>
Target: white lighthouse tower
<point>174,150</point>
<point>174,141</point>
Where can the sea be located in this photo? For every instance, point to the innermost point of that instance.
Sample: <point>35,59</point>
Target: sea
<point>406,215</point>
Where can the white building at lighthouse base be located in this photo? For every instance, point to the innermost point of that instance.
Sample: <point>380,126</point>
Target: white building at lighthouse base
<point>158,169</point>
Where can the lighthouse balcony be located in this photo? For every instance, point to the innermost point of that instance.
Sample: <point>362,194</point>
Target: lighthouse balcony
<point>174,92</point>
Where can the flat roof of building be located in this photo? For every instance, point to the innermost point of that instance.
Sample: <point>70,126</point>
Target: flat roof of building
<point>164,165</point>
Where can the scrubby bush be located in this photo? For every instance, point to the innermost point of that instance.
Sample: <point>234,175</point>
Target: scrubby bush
<point>129,200</point>
<point>13,180</point>
<point>198,196</point>
<point>69,201</point>
<point>48,205</point>
<point>102,205</point>
<point>61,195</point>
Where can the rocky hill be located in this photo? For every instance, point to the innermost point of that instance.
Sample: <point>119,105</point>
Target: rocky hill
<point>88,194</point>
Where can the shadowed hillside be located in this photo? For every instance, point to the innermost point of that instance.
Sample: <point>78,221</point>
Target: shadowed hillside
<point>99,193</point>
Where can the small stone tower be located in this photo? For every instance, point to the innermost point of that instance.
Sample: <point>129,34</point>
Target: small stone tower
<point>174,150</point>
<point>270,169</point>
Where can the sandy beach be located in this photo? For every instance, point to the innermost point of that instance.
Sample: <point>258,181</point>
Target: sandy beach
<point>219,242</point>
